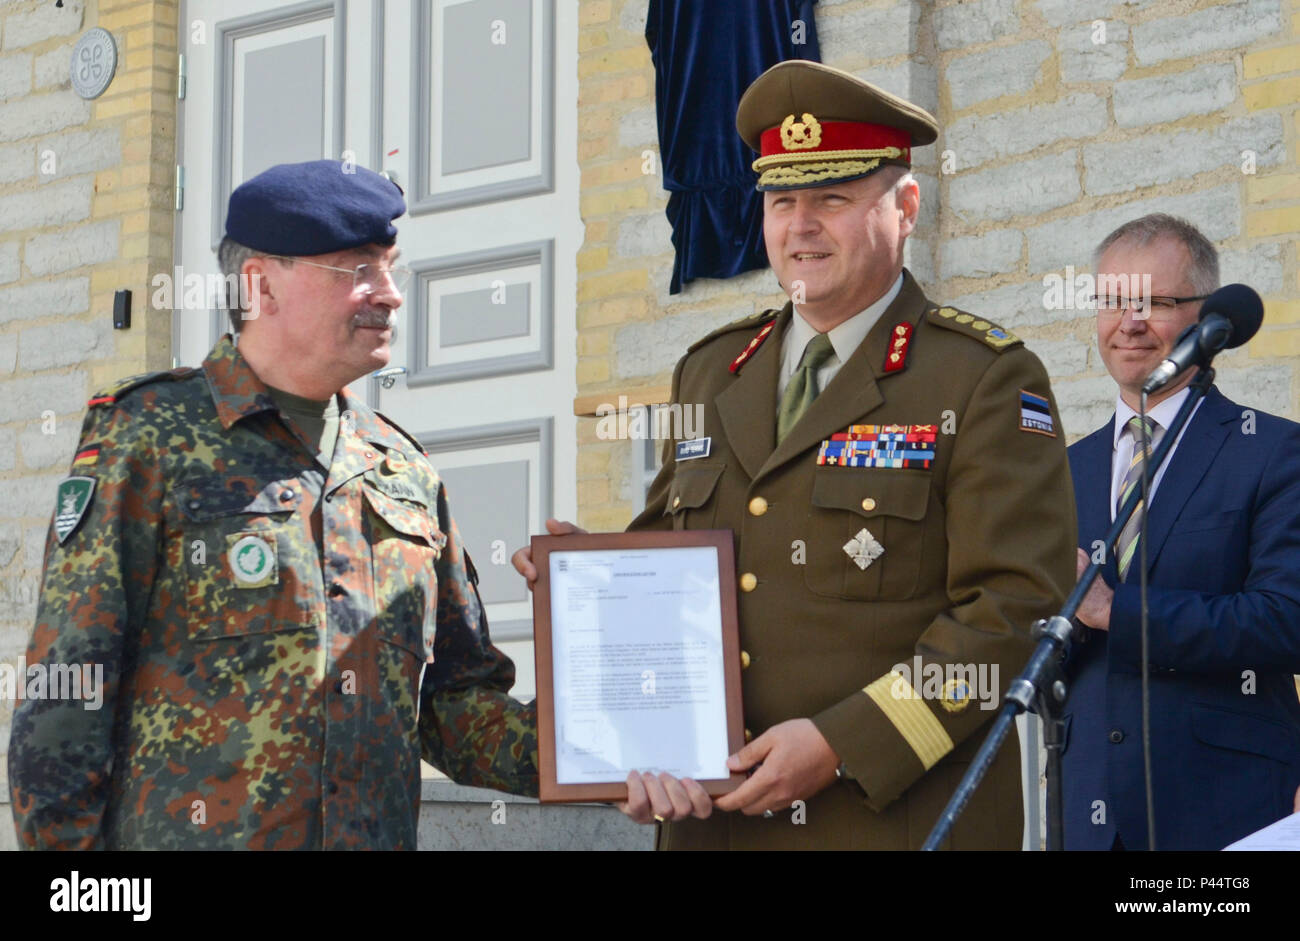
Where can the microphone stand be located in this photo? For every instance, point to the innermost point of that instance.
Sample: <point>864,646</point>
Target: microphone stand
<point>1042,684</point>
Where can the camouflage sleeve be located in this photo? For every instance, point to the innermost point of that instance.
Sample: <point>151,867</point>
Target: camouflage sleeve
<point>471,728</point>
<point>96,587</point>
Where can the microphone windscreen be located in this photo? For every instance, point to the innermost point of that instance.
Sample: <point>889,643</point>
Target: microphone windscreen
<point>1241,306</point>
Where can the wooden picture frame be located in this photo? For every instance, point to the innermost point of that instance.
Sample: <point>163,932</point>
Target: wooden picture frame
<point>722,541</point>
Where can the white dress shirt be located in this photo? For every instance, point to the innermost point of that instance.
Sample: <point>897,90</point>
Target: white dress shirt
<point>1125,444</point>
<point>845,338</point>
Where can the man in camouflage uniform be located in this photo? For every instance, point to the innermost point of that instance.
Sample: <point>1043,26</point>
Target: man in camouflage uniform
<point>269,573</point>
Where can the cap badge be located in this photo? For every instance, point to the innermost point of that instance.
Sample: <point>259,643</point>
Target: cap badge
<point>801,135</point>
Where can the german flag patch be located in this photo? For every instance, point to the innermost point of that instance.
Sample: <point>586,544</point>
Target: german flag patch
<point>86,457</point>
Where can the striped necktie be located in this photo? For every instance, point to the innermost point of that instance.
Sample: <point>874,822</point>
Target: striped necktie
<point>801,391</point>
<point>1128,539</point>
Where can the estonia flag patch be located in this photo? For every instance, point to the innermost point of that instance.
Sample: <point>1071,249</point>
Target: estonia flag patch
<point>1036,414</point>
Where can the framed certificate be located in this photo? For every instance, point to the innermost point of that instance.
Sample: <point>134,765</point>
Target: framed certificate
<point>638,661</point>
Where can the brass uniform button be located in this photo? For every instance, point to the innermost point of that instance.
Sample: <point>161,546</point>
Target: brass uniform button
<point>677,501</point>
<point>757,506</point>
<point>868,504</point>
<point>748,581</point>
<point>749,736</point>
<point>744,660</point>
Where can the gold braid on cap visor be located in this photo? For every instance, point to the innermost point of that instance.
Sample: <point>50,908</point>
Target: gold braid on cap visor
<point>812,167</point>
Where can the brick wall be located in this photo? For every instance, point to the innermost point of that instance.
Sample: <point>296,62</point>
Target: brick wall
<point>85,209</point>
<point>1064,118</point>
<point>1061,119</point>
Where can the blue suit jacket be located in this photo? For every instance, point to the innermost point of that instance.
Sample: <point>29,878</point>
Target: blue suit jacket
<point>1223,557</point>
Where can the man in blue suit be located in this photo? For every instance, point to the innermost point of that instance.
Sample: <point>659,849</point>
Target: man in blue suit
<point>1223,557</point>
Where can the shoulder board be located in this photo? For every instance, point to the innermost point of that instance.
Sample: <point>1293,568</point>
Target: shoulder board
<point>403,432</point>
<point>744,323</point>
<point>974,327</point>
<point>115,392</point>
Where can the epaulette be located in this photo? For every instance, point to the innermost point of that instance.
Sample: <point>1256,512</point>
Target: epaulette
<point>744,323</point>
<point>123,386</point>
<point>404,433</point>
<point>973,327</point>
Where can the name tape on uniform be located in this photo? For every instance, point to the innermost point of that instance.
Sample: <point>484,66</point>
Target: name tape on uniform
<point>695,448</point>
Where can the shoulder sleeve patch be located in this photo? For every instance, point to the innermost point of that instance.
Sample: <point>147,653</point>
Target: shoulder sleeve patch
<point>974,327</point>
<point>115,392</point>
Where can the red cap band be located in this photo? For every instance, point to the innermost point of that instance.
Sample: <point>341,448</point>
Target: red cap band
<point>842,135</point>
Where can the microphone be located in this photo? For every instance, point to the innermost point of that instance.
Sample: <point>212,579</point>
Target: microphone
<point>1229,317</point>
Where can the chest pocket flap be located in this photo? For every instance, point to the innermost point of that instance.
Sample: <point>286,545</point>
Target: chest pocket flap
<point>898,493</point>
<point>410,520</point>
<point>692,487</point>
<point>229,519</point>
<point>890,506</point>
<point>201,501</point>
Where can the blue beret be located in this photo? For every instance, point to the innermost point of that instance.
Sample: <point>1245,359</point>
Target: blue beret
<point>314,208</point>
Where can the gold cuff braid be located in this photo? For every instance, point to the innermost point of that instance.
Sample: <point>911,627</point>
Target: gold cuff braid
<point>904,707</point>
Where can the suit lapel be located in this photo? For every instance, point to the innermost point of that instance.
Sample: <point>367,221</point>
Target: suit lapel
<point>747,407</point>
<point>854,391</point>
<point>1090,464</point>
<point>1197,450</point>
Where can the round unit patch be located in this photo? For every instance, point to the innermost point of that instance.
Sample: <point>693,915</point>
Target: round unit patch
<point>252,559</point>
<point>957,695</point>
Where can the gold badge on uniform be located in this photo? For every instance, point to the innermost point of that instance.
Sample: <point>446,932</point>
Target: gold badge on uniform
<point>801,135</point>
<point>864,549</point>
<point>957,695</point>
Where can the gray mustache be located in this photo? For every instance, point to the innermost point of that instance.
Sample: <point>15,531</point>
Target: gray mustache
<point>375,318</point>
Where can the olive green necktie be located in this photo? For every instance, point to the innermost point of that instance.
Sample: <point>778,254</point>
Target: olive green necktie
<point>801,391</point>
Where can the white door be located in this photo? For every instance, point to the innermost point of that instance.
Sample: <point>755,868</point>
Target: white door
<point>464,102</point>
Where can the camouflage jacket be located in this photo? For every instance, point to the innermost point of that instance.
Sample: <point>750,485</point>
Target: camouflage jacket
<point>280,643</point>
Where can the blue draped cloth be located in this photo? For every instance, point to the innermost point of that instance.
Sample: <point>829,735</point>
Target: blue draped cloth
<point>706,53</point>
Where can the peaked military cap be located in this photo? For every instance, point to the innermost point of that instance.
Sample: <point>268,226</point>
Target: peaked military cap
<point>314,208</point>
<point>813,125</point>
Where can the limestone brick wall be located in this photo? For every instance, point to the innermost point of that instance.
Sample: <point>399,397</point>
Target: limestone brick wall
<point>1064,118</point>
<point>1061,119</point>
<point>86,195</point>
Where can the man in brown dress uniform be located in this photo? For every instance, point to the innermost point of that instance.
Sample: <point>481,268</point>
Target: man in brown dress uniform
<point>895,474</point>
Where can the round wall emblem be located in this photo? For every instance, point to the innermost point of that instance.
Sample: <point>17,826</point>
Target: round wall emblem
<point>94,59</point>
<point>251,559</point>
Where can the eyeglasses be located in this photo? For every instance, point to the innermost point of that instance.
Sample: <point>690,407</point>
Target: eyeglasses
<point>366,277</point>
<point>1158,308</point>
